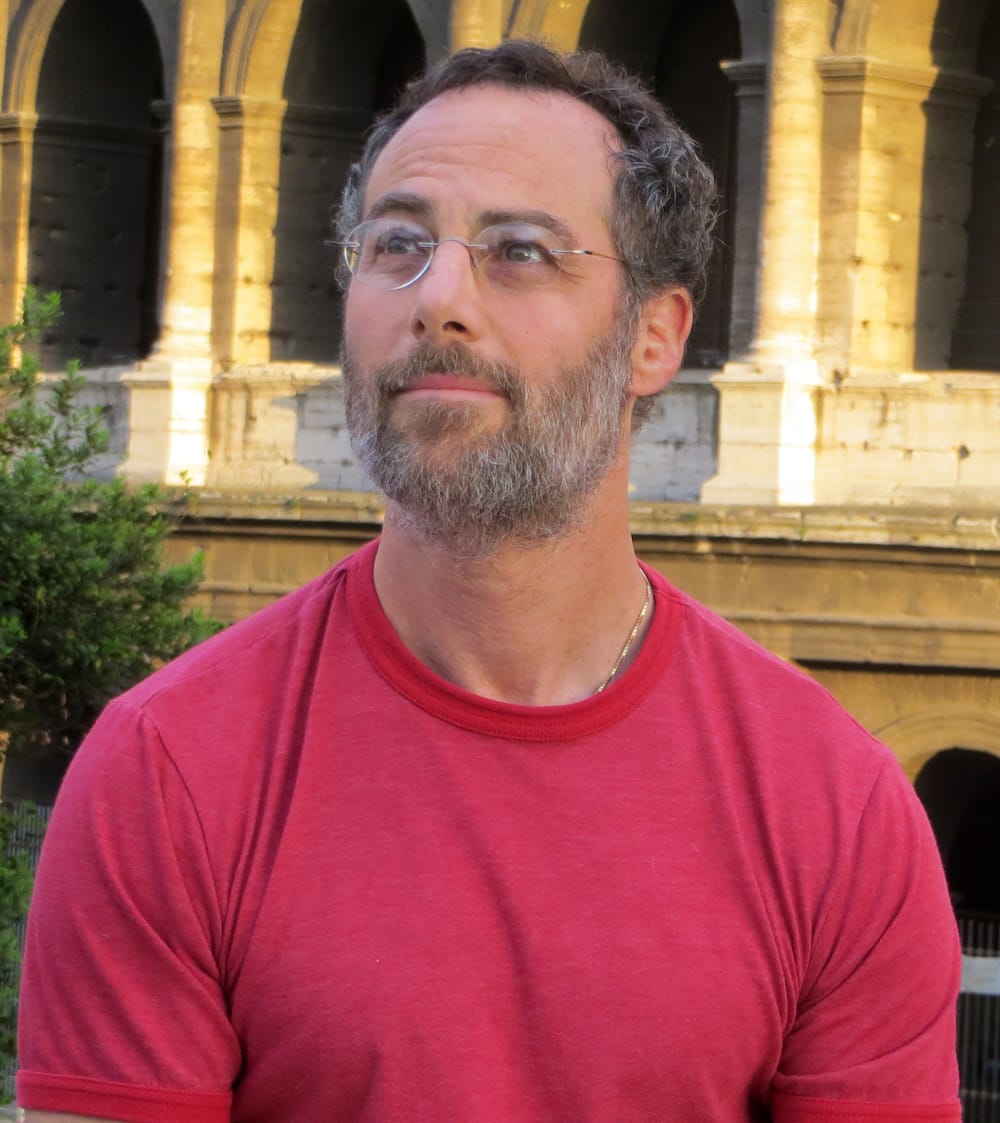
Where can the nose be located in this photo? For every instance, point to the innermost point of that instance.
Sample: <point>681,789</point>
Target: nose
<point>447,303</point>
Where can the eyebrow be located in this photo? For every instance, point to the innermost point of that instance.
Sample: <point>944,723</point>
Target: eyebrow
<point>395,202</point>
<point>531,218</point>
<point>405,202</point>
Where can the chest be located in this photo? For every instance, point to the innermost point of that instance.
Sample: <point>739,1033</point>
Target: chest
<point>569,944</point>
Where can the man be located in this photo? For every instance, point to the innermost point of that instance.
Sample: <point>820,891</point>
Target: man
<point>490,823</point>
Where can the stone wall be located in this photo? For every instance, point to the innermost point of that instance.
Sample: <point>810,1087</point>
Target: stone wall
<point>854,152</point>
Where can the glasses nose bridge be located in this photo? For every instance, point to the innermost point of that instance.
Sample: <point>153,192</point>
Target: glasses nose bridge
<point>475,250</point>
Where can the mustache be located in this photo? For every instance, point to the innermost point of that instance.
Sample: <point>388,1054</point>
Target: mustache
<point>457,359</point>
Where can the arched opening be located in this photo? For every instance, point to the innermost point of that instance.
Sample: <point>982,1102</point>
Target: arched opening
<point>960,788</point>
<point>348,62</point>
<point>976,342</point>
<point>94,226</point>
<point>677,48</point>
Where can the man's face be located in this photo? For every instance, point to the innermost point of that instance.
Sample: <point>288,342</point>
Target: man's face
<point>489,414</point>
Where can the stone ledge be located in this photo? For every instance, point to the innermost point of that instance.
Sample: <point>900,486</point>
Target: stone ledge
<point>291,506</point>
<point>817,638</point>
<point>922,527</point>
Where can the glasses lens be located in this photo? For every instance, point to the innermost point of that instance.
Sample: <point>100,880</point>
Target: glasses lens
<point>388,253</point>
<point>519,255</point>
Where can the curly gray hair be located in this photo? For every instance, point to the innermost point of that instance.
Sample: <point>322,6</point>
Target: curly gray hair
<point>665,206</point>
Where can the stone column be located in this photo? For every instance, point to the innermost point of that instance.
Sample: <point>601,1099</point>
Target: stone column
<point>249,165</point>
<point>748,79</point>
<point>556,21</point>
<point>168,433</point>
<point>4,38</point>
<point>476,23</point>
<point>17,131</point>
<point>790,216</point>
<point>898,150</point>
<point>768,403</point>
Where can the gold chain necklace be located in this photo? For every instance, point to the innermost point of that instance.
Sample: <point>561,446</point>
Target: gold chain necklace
<point>647,600</point>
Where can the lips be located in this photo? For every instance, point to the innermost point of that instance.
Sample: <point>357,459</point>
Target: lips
<point>449,382</point>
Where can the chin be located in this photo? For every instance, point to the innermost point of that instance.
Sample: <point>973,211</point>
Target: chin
<point>438,420</point>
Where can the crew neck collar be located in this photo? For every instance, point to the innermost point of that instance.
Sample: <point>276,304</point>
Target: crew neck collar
<point>407,675</point>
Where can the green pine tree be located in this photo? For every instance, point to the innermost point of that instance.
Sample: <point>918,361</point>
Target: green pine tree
<point>87,607</point>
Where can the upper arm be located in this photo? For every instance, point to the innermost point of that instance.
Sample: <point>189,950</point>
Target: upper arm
<point>122,1011</point>
<point>875,1024</point>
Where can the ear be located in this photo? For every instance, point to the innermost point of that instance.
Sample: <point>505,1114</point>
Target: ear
<point>664,326</point>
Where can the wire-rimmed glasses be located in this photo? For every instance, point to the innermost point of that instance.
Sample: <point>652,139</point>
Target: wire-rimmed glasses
<point>392,253</point>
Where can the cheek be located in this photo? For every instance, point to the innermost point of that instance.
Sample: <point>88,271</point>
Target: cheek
<point>374,327</point>
<point>547,337</point>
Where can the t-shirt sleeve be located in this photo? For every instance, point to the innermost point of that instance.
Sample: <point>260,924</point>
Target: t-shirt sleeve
<point>874,1032</point>
<point>122,1009</point>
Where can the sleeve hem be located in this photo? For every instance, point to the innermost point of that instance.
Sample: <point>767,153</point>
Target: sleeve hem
<point>803,1109</point>
<point>129,1103</point>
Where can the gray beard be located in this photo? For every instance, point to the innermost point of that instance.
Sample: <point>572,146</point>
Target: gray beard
<point>472,488</point>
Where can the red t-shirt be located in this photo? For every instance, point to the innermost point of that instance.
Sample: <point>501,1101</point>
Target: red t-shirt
<point>295,877</point>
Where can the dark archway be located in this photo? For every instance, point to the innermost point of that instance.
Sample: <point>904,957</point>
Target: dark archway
<point>677,48</point>
<point>976,342</point>
<point>960,789</point>
<point>349,60</point>
<point>94,226</point>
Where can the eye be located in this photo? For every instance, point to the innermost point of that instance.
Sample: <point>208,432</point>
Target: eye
<point>397,242</point>
<point>521,245</point>
<point>523,253</point>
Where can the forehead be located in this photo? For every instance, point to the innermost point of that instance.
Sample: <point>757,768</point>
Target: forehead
<point>489,147</point>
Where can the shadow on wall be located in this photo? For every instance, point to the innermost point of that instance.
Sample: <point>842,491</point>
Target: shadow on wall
<point>958,292</point>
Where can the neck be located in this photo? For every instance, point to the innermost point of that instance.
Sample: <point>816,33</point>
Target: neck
<point>538,624</point>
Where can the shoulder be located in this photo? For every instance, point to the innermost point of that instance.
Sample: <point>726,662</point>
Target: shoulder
<point>771,708</point>
<point>260,649</point>
<point>214,715</point>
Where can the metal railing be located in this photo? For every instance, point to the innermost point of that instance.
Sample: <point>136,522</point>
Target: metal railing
<point>25,827</point>
<point>979,1018</point>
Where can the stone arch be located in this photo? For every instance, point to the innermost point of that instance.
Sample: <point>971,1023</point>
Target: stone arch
<point>258,42</point>
<point>96,173</point>
<point>260,35</point>
<point>916,738</point>
<point>849,33</point>
<point>942,33</point>
<point>29,37</point>
<point>886,32</point>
